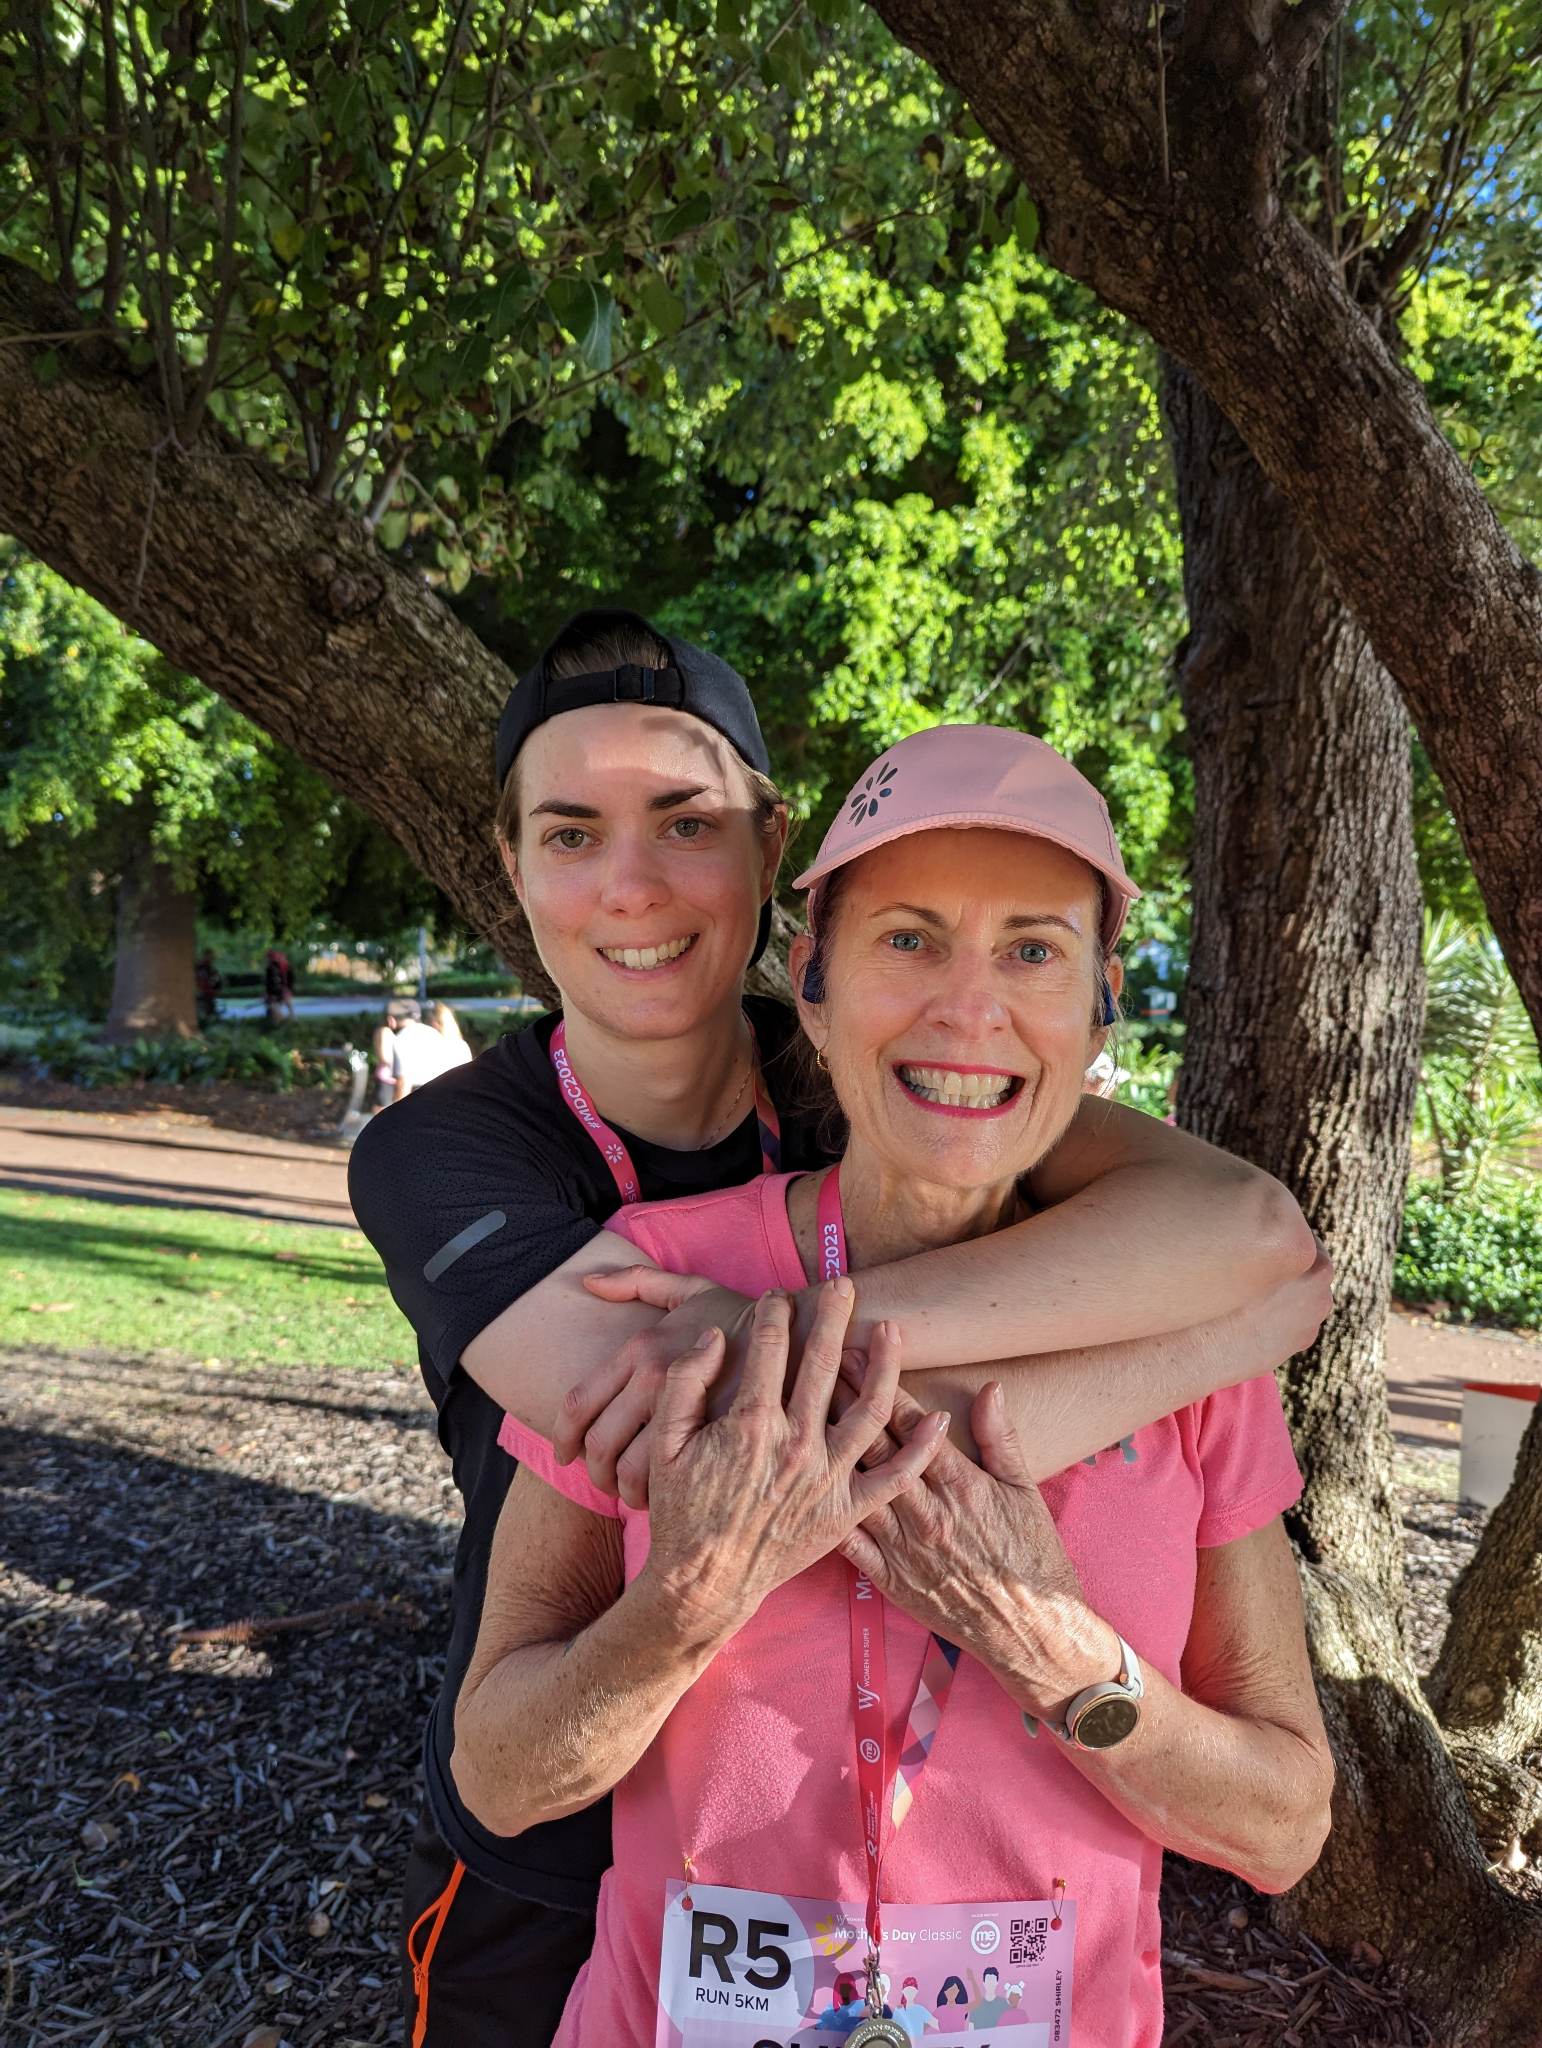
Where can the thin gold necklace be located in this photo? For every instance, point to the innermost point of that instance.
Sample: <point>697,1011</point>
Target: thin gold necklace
<point>718,1130</point>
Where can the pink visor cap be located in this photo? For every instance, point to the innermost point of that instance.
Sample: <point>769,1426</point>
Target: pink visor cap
<point>984,776</point>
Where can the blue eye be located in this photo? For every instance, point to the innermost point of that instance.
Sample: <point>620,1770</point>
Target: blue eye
<point>905,942</point>
<point>1033,952</point>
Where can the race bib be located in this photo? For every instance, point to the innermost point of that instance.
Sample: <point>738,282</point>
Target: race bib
<point>745,1969</point>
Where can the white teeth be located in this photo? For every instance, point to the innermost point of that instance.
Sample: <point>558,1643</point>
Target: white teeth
<point>943,1084</point>
<point>648,956</point>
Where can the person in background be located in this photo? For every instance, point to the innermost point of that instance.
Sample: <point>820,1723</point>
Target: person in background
<point>419,1054</point>
<point>444,1020</point>
<point>383,1056</point>
<point>208,982</point>
<point>278,986</point>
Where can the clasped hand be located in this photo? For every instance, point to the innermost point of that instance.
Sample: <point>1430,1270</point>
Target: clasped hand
<point>973,1554</point>
<point>741,1504</point>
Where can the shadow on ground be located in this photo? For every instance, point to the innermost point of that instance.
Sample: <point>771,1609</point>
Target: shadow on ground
<point>201,1840</point>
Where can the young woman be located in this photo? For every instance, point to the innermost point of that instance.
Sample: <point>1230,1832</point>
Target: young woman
<point>643,836</point>
<point>1055,1685</point>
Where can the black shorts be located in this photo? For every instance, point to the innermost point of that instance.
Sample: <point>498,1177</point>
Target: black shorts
<point>481,1968</point>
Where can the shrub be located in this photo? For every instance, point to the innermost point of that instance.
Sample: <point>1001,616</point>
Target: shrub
<point>71,1052</point>
<point>1480,1256</point>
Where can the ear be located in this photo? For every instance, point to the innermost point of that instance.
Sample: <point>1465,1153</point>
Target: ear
<point>810,1015</point>
<point>773,844</point>
<point>510,861</point>
<point>1113,974</point>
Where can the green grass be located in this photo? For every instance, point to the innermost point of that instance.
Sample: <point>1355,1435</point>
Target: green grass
<point>192,1283</point>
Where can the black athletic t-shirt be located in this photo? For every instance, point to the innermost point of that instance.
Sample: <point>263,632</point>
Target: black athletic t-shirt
<point>472,1190</point>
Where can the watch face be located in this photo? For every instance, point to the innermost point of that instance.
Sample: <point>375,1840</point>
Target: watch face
<point>1106,1721</point>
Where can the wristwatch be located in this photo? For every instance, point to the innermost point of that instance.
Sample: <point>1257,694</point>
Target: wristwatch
<point>1103,1715</point>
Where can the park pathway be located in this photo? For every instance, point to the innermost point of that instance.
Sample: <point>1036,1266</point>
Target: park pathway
<point>164,1164</point>
<point>159,1163</point>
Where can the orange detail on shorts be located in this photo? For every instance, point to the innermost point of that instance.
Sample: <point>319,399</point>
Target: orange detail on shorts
<point>438,1912</point>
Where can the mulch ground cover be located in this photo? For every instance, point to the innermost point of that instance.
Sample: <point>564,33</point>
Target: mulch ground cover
<point>203,1833</point>
<point>304,1115</point>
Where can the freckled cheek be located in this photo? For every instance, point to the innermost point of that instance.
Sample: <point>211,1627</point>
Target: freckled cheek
<point>561,905</point>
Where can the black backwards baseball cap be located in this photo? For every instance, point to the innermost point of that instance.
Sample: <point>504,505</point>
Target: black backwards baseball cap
<point>702,684</point>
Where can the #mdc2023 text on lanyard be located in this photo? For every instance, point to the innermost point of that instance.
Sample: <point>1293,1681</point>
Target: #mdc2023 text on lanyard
<point>612,1147</point>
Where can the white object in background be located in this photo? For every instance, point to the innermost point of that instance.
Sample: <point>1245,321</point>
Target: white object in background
<point>1494,1419</point>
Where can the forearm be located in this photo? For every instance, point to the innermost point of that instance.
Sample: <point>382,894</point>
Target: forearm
<point>1177,1231</point>
<point>1240,1792</point>
<point>1068,1405</point>
<point>552,1726</point>
<point>545,1341</point>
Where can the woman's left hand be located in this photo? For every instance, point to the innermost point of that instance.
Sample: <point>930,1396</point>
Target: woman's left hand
<point>973,1554</point>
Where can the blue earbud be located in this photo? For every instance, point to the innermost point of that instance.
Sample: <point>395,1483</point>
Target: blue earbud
<point>813,981</point>
<point>1110,1014</point>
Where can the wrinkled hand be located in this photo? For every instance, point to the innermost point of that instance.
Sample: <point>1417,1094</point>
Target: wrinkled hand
<point>740,1505</point>
<point>974,1555</point>
<point>606,1416</point>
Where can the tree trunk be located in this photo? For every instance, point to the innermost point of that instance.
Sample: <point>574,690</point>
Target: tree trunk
<point>152,974</point>
<point>1305,991</point>
<point>1156,168</point>
<point>1487,1683</point>
<point>1305,1011</point>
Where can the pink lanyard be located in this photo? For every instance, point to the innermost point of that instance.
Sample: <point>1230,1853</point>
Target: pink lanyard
<point>876,1772</point>
<point>613,1151</point>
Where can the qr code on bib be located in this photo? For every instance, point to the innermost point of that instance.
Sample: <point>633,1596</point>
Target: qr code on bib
<point>1028,1940</point>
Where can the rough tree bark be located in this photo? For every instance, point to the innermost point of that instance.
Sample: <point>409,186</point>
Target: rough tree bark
<point>1305,1007</point>
<point>1155,167</point>
<point>1487,1684</point>
<point>152,969</point>
<point>279,601</point>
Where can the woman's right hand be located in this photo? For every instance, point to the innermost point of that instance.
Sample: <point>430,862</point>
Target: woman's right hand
<point>740,1505</point>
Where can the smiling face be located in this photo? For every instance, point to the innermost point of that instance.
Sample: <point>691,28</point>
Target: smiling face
<point>962,988</point>
<point>641,865</point>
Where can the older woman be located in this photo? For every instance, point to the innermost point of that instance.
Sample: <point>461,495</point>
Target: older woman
<point>841,1677</point>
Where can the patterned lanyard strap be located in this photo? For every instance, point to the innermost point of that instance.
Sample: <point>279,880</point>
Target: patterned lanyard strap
<point>883,1780</point>
<point>612,1147</point>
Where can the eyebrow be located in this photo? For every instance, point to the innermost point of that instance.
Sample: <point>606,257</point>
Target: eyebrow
<point>668,800</point>
<point>1011,924</point>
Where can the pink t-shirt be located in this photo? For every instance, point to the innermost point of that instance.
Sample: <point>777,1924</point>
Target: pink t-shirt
<point>753,1773</point>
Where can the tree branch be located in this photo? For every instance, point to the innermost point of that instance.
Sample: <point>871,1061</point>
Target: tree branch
<point>225,294</point>
<point>1303,29</point>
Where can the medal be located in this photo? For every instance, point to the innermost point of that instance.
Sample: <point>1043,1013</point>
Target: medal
<point>878,2033</point>
<point>875,2031</point>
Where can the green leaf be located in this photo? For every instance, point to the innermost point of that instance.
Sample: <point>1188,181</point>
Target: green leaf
<point>694,212</point>
<point>498,308</point>
<point>1025,223</point>
<point>288,239</point>
<point>665,311</point>
<point>588,312</point>
<point>47,366</point>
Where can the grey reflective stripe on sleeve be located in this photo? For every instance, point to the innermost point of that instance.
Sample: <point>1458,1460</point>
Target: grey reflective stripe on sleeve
<point>462,1241</point>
